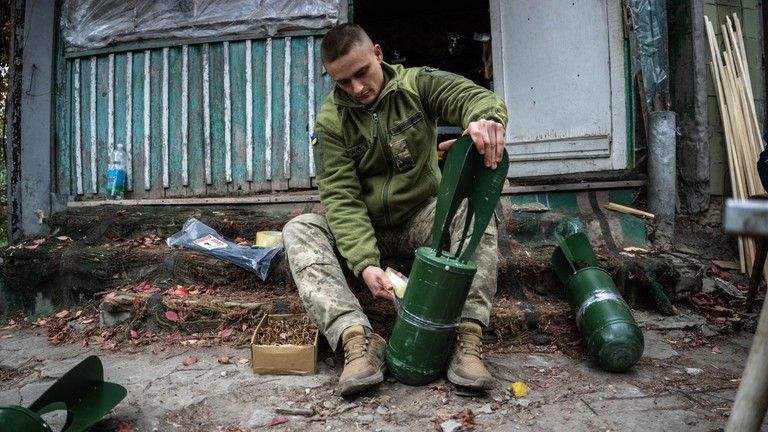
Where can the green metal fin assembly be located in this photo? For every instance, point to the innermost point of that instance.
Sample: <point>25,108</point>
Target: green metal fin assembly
<point>81,392</point>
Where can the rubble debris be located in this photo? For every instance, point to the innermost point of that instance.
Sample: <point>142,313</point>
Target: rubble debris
<point>278,421</point>
<point>306,412</point>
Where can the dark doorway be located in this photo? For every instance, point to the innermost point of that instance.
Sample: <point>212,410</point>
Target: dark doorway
<point>448,34</point>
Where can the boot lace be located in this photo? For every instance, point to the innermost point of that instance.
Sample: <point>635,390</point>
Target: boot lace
<point>355,348</point>
<point>470,344</point>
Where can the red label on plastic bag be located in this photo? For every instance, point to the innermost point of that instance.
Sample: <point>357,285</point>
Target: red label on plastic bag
<point>210,242</point>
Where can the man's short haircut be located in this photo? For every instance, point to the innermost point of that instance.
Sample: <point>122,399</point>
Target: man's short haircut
<point>340,40</point>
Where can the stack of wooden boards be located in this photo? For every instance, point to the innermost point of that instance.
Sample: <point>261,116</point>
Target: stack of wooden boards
<point>730,74</point>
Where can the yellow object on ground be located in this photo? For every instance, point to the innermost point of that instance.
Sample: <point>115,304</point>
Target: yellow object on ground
<point>519,389</point>
<point>268,239</point>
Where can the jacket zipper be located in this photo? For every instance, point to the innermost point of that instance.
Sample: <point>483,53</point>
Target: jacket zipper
<point>389,162</point>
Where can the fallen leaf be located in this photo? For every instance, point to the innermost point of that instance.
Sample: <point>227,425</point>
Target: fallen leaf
<point>226,333</point>
<point>171,316</point>
<point>243,360</point>
<point>62,314</point>
<point>108,345</point>
<point>278,421</point>
<point>181,292</point>
<point>88,320</point>
<point>189,361</point>
<point>225,360</point>
<point>63,238</point>
<point>717,350</point>
<point>77,315</point>
<point>134,334</point>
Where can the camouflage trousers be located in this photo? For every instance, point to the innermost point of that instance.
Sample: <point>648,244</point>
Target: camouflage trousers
<point>323,289</point>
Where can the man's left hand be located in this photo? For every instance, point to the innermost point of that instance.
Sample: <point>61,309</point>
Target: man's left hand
<point>488,136</point>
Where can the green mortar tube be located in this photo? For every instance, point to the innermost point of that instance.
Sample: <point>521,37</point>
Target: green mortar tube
<point>430,311</point>
<point>613,339</point>
<point>427,316</point>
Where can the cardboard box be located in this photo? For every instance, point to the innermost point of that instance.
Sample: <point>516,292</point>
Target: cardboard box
<point>282,359</point>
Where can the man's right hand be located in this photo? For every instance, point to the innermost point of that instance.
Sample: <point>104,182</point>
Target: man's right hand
<point>378,282</point>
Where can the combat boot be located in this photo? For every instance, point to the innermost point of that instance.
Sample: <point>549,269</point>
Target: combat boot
<point>363,360</point>
<point>466,367</point>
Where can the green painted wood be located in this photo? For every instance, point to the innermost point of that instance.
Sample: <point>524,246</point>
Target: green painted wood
<point>120,99</point>
<point>259,92</point>
<point>299,130</point>
<point>85,125</point>
<point>156,123</point>
<point>196,150</point>
<point>174,123</point>
<point>216,90</point>
<point>299,114</point>
<point>102,139</point>
<point>279,182</point>
<point>137,125</point>
<point>240,184</point>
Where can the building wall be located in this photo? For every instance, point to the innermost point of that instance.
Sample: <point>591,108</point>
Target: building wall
<point>750,14</point>
<point>212,119</point>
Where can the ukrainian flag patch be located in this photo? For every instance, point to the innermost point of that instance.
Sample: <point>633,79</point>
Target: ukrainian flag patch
<point>313,138</point>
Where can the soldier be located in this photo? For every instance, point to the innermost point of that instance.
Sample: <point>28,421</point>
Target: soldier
<point>377,172</point>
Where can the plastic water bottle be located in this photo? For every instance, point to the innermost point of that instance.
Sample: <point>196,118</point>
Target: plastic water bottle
<point>116,173</point>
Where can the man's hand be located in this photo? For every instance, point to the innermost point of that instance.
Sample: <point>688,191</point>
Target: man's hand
<point>378,282</point>
<point>488,136</point>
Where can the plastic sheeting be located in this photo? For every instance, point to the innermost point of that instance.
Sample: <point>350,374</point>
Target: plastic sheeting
<point>651,52</point>
<point>90,24</point>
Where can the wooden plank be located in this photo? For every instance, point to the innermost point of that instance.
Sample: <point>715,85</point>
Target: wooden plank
<point>196,148</point>
<point>164,78</point>
<point>129,119</point>
<point>78,135</point>
<point>91,80</point>
<point>156,125</point>
<point>217,115</point>
<point>238,99</point>
<point>629,210</point>
<point>254,199</point>
<point>260,104</point>
<point>103,93</point>
<point>299,130</point>
<point>521,190</point>
<point>176,122</point>
<point>138,124</point>
<point>268,113</point>
<point>147,120</point>
<point>279,181</point>
<point>118,122</point>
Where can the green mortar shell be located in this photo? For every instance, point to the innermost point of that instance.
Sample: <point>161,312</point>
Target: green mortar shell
<point>613,339</point>
<point>16,418</point>
<point>425,327</point>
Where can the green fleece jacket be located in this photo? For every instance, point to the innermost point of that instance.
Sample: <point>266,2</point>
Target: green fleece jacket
<point>377,165</point>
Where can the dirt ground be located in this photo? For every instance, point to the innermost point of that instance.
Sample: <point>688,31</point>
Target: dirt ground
<point>686,380</point>
<point>182,351</point>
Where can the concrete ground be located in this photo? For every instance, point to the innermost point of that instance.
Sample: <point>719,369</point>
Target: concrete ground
<point>686,381</point>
